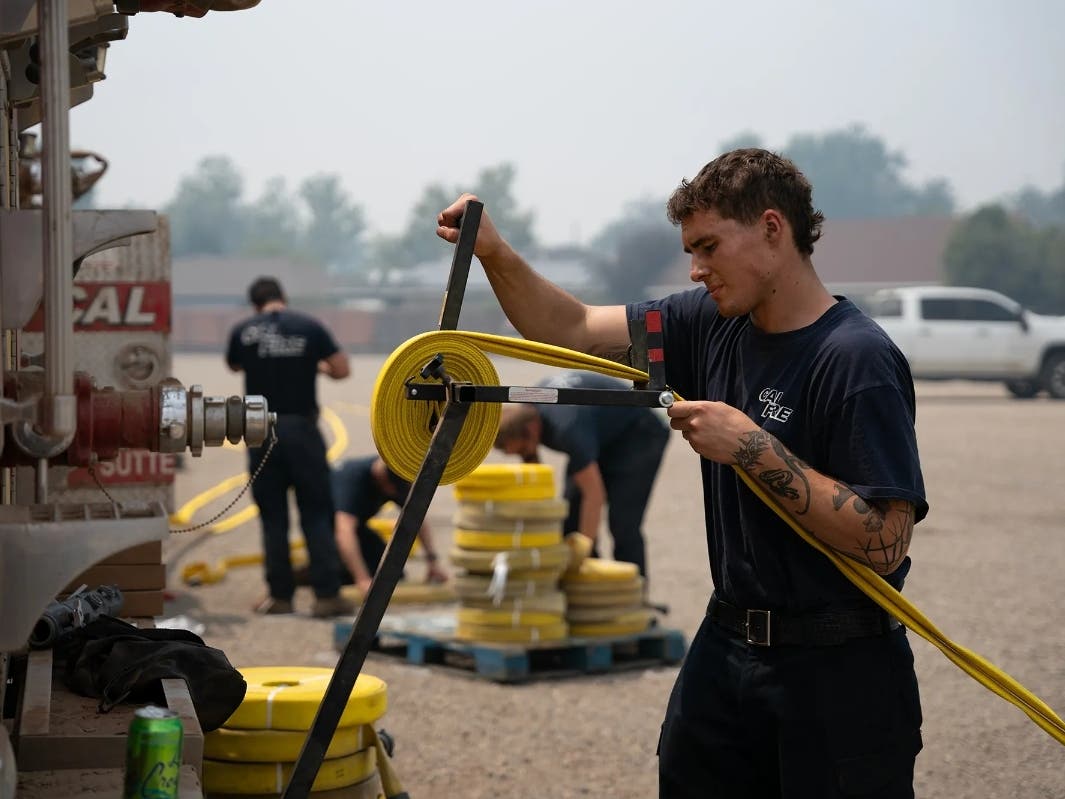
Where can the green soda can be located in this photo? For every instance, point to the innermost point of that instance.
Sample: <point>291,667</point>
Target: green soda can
<point>153,754</point>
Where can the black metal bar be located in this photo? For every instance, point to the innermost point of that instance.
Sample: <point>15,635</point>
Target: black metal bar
<point>460,266</point>
<point>376,602</point>
<point>543,395</point>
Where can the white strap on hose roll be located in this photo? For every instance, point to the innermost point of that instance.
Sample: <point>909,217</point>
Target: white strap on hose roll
<point>497,586</point>
<point>515,616</point>
<point>536,557</point>
<point>489,506</point>
<point>270,706</point>
<point>278,778</point>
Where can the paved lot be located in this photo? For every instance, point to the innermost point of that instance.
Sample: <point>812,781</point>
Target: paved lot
<point>987,570</point>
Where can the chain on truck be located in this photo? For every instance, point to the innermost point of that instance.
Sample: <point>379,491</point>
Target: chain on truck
<point>90,420</point>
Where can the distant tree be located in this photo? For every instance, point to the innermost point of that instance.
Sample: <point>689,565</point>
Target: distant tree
<point>631,253</point>
<point>742,140</point>
<point>335,225</point>
<point>321,226</point>
<point>1039,208</point>
<point>855,176</point>
<point>272,223</point>
<point>996,250</point>
<point>418,242</point>
<point>206,217</point>
<point>495,186</point>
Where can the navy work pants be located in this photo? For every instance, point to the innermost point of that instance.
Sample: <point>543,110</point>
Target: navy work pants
<point>297,461</point>
<point>628,474</point>
<point>791,722</point>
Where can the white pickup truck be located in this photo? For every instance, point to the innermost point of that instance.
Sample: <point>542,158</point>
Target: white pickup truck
<point>952,333</point>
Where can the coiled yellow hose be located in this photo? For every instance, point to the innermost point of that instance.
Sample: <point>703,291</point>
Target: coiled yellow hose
<point>401,429</point>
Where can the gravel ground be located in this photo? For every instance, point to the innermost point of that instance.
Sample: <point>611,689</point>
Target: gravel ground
<point>987,567</point>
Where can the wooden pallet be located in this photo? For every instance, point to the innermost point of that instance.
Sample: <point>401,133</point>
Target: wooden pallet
<point>94,782</point>
<point>655,646</point>
<point>62,732</point>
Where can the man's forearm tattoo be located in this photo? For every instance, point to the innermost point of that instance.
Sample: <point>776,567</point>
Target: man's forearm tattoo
<point>797,471</point>
<point>752,445</point>
<point>622,356</point>
<point>789,483</point>
<point>779,482</point>
<point>839,499</point>
<point>889,532</point>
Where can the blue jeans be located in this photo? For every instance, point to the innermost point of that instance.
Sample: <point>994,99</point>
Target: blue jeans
<point>297,461</point>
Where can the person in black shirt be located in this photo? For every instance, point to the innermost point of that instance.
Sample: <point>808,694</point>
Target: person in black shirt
<point>614,455</point>
<point>796,684</point>
<point>281,353</point>
<point>361,487</point>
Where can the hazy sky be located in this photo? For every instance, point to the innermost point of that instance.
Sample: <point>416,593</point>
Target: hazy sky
<point>595,102</point>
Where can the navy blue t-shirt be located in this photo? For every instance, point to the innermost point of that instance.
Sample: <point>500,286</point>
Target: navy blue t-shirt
<point>837,393</point>
<point>279,353</point>
<point>356,492</point>
<point>589,433</point>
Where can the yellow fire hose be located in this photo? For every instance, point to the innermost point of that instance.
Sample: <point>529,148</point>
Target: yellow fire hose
<point>200,572</point>
<point>183,515</point>
<point>402,431</point>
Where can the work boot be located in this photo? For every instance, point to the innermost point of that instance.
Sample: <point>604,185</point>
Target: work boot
<point>324,607</point>
<point>272,606</point>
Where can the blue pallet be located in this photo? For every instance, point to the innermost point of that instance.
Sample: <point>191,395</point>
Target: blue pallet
<point>519,662</point>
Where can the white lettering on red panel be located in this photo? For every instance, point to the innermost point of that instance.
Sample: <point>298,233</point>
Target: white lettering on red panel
<point>117,306</point>
<point>131,466</point>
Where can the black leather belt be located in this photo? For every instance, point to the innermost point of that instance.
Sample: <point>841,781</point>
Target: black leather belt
<point>772,628</point>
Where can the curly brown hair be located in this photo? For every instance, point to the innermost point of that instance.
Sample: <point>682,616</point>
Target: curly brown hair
<point>741,184</point>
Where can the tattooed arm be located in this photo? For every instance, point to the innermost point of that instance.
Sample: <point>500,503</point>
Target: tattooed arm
<point>876,534</point>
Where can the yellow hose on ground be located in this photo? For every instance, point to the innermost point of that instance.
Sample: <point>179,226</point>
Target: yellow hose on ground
<point>402,433</point>
<point>183,515</point>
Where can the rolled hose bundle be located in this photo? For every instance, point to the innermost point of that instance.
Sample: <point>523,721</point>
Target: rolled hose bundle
<point>402,431</point>
<point>402,428</point>
<point>254,752</point>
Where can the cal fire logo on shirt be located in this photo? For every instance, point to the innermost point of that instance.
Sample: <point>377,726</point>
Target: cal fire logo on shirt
<point>771,405</point>
<point>272,344</point>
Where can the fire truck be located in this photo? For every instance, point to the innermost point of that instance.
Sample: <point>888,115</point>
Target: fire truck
<point>90,420</point>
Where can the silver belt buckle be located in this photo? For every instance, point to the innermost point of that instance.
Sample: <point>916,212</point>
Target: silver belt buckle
<point>757,627</point>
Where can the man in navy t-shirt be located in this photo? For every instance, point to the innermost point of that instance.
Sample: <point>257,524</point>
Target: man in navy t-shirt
<point>796,684</point>
<point>614,454</point>
<point>361,487</point>
<point>281,353</point>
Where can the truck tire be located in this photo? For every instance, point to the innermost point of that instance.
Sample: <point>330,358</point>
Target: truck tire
<point>1054,375</point>
<point>1023,389</point>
